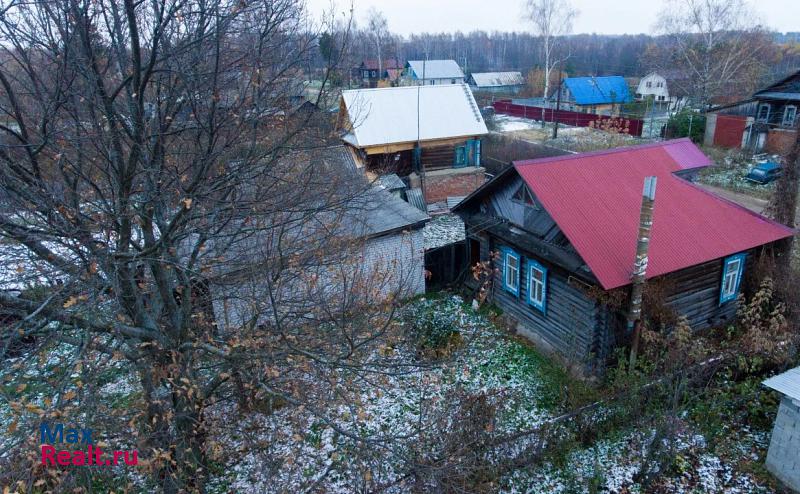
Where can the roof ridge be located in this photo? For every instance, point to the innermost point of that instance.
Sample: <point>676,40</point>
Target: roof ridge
<point>436,86</point>
<point>599,152</point>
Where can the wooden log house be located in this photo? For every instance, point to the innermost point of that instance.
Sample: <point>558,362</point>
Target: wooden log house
<point>563,233</point>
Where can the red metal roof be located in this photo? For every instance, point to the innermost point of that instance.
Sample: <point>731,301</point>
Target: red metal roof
<point>595,199</point>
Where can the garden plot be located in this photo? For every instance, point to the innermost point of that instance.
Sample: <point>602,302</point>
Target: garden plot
<point>301,450</point>
<point>611,465</point>
<point>731,170</point>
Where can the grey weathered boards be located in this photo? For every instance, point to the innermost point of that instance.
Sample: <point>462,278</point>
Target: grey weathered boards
<point>577,317</point>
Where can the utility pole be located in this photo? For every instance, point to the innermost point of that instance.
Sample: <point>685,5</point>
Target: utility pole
<point>558,105</point>
<point>691,117</point>
<point>640,266</point>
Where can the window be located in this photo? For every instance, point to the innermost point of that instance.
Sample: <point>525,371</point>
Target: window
<point>523,195</point>
<point>649,84</point>
<point>511,271</point>
<point>661,98</point>
<point>763,112</point>
<point>452,81</point>
<point>731,277</point>
<point>537,285</point>
<point>789,115</point>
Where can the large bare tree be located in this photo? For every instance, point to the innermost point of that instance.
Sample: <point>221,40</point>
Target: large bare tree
<point>717,48</point>
<point>551,21</point>
<point>165,212</point>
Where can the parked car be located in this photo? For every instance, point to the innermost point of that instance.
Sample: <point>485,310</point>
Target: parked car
<point>764,173</point>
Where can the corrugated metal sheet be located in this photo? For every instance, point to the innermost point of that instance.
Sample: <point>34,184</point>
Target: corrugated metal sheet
<point>389,115</point>
<point>595,199</point>
<point>598,90</point>
<point>452,201</point>
<point>496,79</point>
<point>436,69</point>
<point>787,383</point>
<point>391,182</point>
<point>415,198</point>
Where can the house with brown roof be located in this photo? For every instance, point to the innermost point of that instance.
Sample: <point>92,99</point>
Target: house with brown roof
<point>562,235</point>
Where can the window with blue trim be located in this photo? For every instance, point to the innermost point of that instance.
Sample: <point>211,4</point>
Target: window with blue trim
<point>511,271</point>
<point>537,285</point>
<point>732,270</point>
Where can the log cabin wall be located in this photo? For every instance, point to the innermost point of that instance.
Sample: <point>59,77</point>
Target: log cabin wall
<point>567,326</point>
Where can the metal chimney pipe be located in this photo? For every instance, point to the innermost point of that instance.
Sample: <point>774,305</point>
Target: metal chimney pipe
<point>640,264</point>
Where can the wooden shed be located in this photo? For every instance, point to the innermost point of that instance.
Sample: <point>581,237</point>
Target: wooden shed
<point>565,229</point>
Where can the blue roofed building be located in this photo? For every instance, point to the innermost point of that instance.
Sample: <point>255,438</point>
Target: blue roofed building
<point>602,95</point>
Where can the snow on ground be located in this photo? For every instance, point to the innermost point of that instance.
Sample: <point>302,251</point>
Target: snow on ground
<point>612,465</point>
<point>508,123</point>
<point>442,230</point>
<point>731,170</point>
<point>299,449</point>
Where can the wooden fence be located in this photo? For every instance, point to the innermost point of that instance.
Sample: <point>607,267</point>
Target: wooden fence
<point>565,117</point>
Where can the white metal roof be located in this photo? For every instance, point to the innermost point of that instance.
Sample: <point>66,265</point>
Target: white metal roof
<point>436,69</point>
<point>389,115</point>
<point>494,79</point>
<point>787,383</point>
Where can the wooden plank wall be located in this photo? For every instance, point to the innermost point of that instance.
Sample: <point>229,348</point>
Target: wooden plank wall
<point>695,294</point>
<point>439,157</point>
<point>568,326</point>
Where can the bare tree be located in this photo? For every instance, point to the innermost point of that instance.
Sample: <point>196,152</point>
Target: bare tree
<point>551,20</point>
<point>165,213</point>
<point>717,45</point>
<point>378,29</point>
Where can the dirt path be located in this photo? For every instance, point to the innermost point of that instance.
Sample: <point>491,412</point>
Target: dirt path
<point>752,203</point>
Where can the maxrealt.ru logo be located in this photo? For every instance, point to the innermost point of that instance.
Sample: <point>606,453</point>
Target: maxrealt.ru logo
<point>57,434</point>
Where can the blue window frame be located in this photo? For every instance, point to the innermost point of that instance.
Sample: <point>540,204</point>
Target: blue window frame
<point>732,270</point>
<point>537,285</point>
<point>511,269</point>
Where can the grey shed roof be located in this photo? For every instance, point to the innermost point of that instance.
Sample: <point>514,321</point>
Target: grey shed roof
<point>787,383</point>
<point>436,69</point>
<point>380,212</point>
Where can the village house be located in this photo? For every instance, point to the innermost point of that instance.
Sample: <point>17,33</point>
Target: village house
<point>374,241</point>
<point>600,95</point>
<point>432,73</point>
<point>427,135</point>
<point>497,82</point>
<point>565,230</point>
<point>654,86</point>
<point>372,73</point>
<point>766,122</point>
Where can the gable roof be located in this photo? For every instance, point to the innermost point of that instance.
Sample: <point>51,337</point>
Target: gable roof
<point>369,209</point>
<point>389,115</point>
<point>595,199</point>
<point>495,79</point>
<point>598,90</point>
<point>787,88</point>
<point>387,63</point>
<point>436,69</point>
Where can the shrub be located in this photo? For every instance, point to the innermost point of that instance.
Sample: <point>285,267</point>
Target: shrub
<point>432,326</point>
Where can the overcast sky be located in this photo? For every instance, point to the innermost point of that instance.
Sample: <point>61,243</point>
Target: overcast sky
<point>596,16</point>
